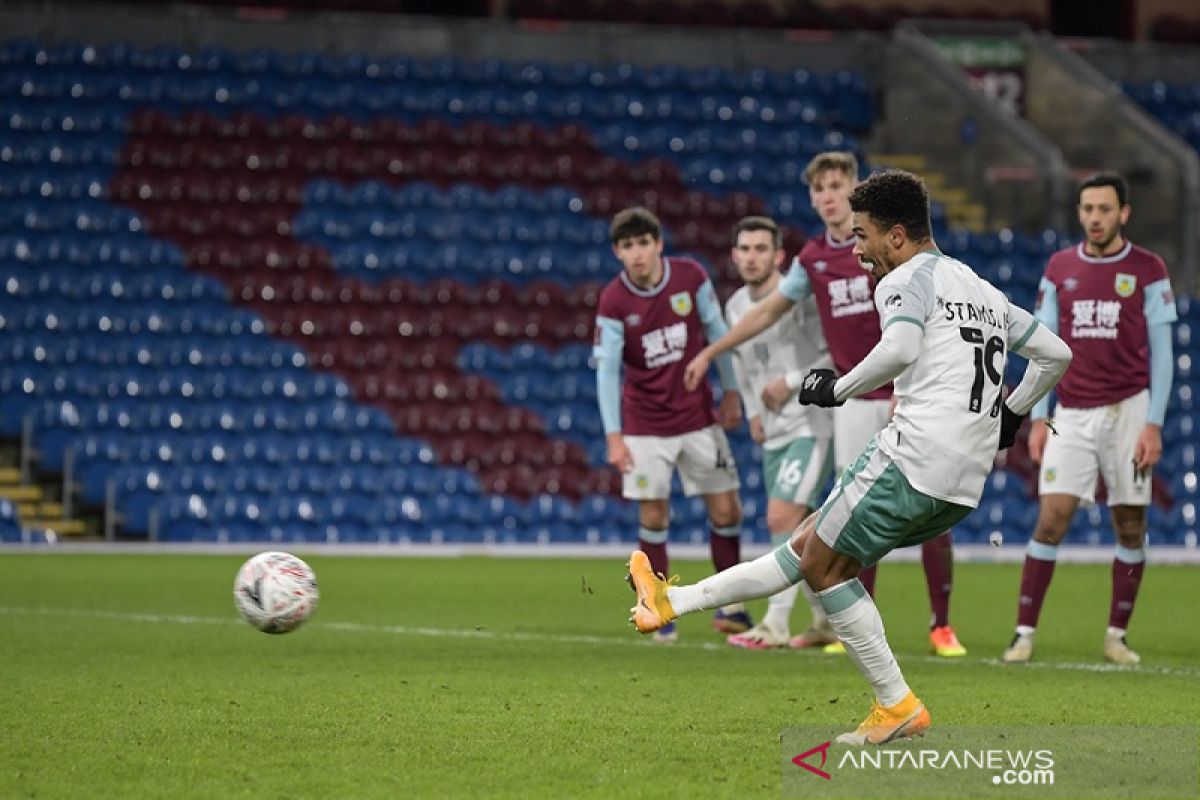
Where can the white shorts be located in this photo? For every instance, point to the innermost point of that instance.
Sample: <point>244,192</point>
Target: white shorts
<point>1097,440</point>
<point>704,459</point>
<point>854,425</point>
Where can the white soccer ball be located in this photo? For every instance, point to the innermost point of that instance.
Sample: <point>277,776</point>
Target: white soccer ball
<point>996,538</point>
<point>275,592</point>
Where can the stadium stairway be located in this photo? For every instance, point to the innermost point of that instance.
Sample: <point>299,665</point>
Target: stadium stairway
<point>26,511</point>
<point>960,211</point>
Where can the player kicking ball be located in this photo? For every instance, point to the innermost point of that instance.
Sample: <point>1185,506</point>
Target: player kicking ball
<point>946,335</point>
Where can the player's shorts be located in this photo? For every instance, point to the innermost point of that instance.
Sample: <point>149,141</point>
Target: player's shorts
<point>854,425</point>
<point>874,509</point>
<point>704,459</point>
<point>796,473</point>
<point>1094,441</point>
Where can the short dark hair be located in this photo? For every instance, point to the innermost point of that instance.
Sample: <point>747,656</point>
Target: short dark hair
<point>1098,179</point>
<point>758,224</point>
<point>894,197</point>
<point>630,223</point>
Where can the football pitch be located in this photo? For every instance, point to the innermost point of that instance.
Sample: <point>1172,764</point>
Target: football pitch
<point>132,676</point>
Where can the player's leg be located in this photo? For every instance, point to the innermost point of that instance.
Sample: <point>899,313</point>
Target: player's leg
<point>795,475</point>
<point>1054,517</point>
<point>1129,562</point>
<point>782,520</point>
<point>660,602</point>
<point>1068,475</point>
<point>1129,493</point>
<point>862,521</point>
<point>650,485</point>
<point>706,466</point>
<point>937,558</point>
<point>855,424</point>
<point>897,712</point>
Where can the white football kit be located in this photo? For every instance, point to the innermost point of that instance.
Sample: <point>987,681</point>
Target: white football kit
<point>793,343</point>
<point>944,433</point>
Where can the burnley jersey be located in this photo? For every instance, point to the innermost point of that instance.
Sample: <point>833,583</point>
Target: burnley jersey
<point>1103,307</point>
<point>845,301</point>
<point>657,331</point>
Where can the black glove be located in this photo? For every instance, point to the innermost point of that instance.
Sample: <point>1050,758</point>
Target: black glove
<point>817,388</point>
<point>1010,423</point>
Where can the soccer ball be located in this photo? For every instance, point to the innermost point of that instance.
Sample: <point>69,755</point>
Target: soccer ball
<point>275,592</point>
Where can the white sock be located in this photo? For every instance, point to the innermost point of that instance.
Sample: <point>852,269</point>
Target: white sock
<point>749,580</point>
<point>856,620</point>
<point>780,604</point>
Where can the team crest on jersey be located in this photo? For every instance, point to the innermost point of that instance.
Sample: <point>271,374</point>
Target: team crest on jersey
<point>1070,284</point>
<point>633,320</point>
<point>1125,284</point>
<point>681,304</point>
<point>820,266</point>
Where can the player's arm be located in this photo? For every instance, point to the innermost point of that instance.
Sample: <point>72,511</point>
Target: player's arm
<point>1048,357</point>
<point>610,345</point>
<point>750,400</point>
<point>1160,313</point>
<point>793,288</point>
<point>1046,313</point>
<point>713,321</point>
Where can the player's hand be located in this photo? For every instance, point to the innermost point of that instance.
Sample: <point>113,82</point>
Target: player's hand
<point>1148,449</point>
<point>729,412</point>
<point>618,453</point>
<point>696,370</point>
<point>756,430</point>
<point>776,393</point>
<point>1038,432</point>
<point>1010,425</point>
<point>817,389</point>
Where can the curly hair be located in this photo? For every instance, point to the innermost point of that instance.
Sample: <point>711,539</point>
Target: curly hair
<point>895,197</point>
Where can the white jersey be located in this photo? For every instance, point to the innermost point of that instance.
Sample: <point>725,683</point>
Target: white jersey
<point>793,342</point>
<point>946,429</point>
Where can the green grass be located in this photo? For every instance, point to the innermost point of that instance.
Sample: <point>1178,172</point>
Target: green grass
<point>501,678</point>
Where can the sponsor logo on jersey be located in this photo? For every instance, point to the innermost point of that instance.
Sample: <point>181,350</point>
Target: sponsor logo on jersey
<point>1095,319</point>
<point>681,304</point>
<point>642,481</point>
<point>850,296</point>
<point>893,301</point>
<point>1125,284</point>
<point>1050,475</point>
<point>664,345</point>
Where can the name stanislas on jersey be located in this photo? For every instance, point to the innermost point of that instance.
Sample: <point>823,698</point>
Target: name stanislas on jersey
<point>959,311</point>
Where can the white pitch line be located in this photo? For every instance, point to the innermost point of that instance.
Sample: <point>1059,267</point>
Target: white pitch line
<point>566,638</point>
